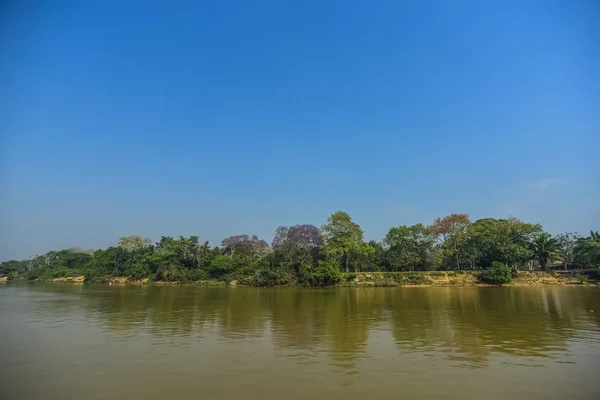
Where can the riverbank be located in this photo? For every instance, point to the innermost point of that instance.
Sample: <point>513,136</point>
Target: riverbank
<point>385,279</point>
<point>467,278</point>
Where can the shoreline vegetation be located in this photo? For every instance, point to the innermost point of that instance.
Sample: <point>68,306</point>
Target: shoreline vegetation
<point>389,279</point>
<point>451,251</point>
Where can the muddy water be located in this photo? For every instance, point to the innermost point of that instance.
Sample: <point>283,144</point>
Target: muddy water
<point>67,341</point>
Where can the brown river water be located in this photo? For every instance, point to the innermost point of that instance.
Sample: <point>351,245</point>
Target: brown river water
<point>68,341</point>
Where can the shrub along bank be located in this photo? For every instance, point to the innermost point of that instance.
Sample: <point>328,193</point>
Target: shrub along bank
<point>334,254</point>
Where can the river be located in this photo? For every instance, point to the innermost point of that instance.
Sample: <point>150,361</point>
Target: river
<point>68,341</point>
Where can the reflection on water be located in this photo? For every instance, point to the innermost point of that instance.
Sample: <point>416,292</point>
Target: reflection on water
<point>64,341</point>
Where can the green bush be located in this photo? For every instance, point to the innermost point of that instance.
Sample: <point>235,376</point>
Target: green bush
<point>326,273</point>
<point>243,272</point>
<point>274,277</point>
<point>350,277</point>
<point>414,278</point>
<point>582,279</point>
<point>221,265</point>
<point>497,274</point>
<point>397,277</point>
<point>194,275</point>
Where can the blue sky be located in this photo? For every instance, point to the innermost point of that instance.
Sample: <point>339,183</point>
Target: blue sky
<point>220,118</point>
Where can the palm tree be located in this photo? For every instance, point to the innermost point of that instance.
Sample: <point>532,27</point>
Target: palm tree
<point>589,249</point>
<point>544,247</point>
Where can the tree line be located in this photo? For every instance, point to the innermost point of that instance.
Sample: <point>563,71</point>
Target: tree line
<point>308,255</point>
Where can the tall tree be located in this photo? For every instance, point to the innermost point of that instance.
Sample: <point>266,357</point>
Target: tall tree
<point>451,230</point>
<point>306,236</point>
<point>567,246</point>
<point>544,247</point>
<point>411,246</point>
<point>362,258</point>
<point>379,255</point>
<point>502,240</point>
<point>249,248</point>
<point>588,250</point>
<point>342,238</point>
<point>134,242</point>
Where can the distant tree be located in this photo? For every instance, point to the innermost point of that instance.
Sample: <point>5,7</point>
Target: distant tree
<point>247,247</point>
<point>80,250</point>
<point>222,265</point>
<point>342,238</point>
<point>588,250</point>
<point>307,236</point>
<point>134,242</point>
<point>506,241</point>
<point>401,249</point>
<point>281,235</point>
<point>107,262</point>
<point>379,255</point>
<point>566,248</point>
<point>183,252</point>
<point>10,267</point>
<point>452,231</point>
<point>544,247</point>
<point>289,239</point>
<point>411,246</point>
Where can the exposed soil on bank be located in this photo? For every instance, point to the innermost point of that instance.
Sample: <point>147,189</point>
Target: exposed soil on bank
<point>466,278</point>
<point>69,279</point>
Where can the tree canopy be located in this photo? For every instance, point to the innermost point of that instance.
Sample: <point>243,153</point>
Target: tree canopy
<point>306,255</point>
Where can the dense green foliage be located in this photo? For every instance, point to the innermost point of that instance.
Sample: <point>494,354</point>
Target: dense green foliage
<point>543,248</point>
<point>497,274</point>
<point>311,256</point>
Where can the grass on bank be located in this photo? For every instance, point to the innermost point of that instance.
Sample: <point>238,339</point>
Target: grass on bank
<point>498,275</point>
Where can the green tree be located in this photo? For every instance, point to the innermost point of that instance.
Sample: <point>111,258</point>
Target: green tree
<point>134,242</point>
<point>222,265</point>
<point>244,247</point>
<point>290,239</point>
<point>411,246</point>
<point>287,264</point>
<point>10,267</point>
<point>588,250</point>
<point>566,248</point>
<point>451,231</point>
<point>342,238</point>
<point>378,256</point>
<point>106,263</point>
<point>544,247</point>
<point>501,240</point>
<point>362,258</point>
<point>327,273</point>
<point>181,259</point>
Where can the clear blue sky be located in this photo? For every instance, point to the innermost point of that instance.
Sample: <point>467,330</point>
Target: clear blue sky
<point>231,117</point>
